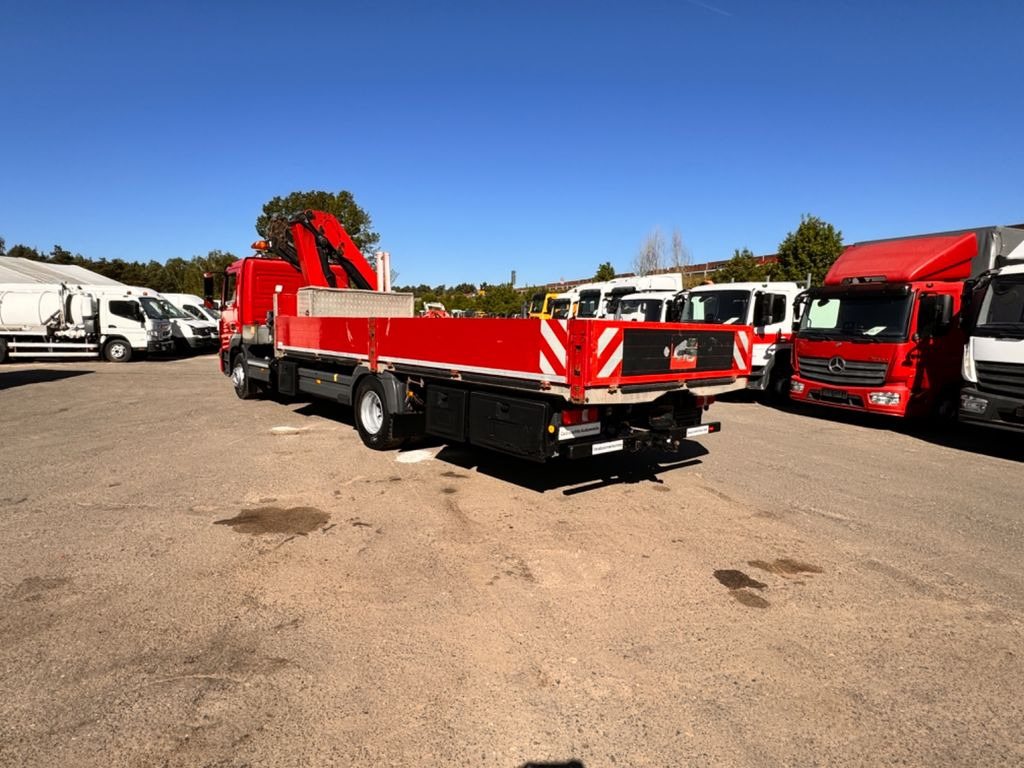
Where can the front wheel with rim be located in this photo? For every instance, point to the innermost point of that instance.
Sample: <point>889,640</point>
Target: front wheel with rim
<point>118,351</point>
<point>374,421</point>
<point>245,388</point>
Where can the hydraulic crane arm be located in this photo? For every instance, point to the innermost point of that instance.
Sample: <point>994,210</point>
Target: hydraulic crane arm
<point>312,241</point>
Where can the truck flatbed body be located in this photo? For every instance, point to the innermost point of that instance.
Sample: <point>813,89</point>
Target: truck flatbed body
<point>586,361</point>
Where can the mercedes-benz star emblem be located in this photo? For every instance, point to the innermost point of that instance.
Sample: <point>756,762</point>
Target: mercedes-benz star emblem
<point>836,365</point>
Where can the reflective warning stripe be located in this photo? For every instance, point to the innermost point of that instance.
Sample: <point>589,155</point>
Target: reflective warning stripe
<point>609,352</point>
<point>553,336</point>
<point>741,349</point>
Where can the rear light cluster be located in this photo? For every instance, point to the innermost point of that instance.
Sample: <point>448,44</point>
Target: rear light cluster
<point>572,416</point>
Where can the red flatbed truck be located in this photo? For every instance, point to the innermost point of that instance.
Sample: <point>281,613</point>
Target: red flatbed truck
<point>308,322</point>
<point>883,333</point>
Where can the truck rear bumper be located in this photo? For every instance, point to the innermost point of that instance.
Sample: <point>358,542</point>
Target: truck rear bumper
<point>866,399</point>
<point>990,410</point>
<point>637,441</point>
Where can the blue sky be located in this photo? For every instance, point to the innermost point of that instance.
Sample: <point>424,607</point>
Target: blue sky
<point>482,137</point>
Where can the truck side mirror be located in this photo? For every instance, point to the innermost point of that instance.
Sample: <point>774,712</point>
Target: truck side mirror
<point>762,309</point>
<point>934,315</point>
<point>208,289</point>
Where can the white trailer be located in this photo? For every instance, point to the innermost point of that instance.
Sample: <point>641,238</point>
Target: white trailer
<point>770,308</point>
<point>39,320</point>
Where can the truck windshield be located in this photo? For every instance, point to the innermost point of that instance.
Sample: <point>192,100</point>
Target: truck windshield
<point>153,308</point>
<point>725,307</point>
<point>537,303</point>
<point>560,307</point>
<point>165,308</point>
<point>611,301</point>
<point>864,317</point>
<point>641,310</point>
<point>589,302</point>
<point>1002,310</point>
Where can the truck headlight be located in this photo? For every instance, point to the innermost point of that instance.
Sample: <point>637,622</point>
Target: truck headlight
<point>973,404</point>
<point>153,334</point>
<point>796,386</point>
<point>968,370</point>
<point>884,398</point>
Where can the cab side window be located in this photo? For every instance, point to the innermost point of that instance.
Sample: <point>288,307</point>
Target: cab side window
<point>128,310</point>
<point>194,311</point>
<point>230,283</point>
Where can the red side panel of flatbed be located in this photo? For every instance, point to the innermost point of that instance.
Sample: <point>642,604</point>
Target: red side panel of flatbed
<point>578,354</point>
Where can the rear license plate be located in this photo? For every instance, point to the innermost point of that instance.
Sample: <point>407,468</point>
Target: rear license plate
<point>609,447</point>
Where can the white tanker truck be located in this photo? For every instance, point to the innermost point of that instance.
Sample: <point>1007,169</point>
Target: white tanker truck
<point>54,320</point>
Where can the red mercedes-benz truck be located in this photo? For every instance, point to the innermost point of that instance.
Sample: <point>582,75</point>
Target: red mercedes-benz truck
<point>883,333</point>
<point>309,321</point>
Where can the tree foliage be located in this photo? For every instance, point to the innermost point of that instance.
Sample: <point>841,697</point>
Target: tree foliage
<point>353,218</point>
<point>681,256</point>
<point>743,267</point>
<point>605,272</point>
<point>651,256</point>
<point>811,249</point>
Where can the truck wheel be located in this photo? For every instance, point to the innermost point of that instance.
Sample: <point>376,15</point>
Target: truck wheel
<point>3,351</point>
<point>117,351</point>
<point>245,388</point>
<point>374,421</point>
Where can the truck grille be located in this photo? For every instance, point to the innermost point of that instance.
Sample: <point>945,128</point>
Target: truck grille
<point>1001,378</point>
<point>854,373</point>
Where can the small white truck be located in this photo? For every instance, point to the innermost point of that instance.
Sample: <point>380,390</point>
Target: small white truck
<point>651,307</point>
<point>39,320</point>
<point>601,300</point>
<point>770,308</point>
<point>190,333</point>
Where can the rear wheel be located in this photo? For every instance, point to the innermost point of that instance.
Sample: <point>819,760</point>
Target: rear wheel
<point>374,421</point>
<point>245,388</point>
<point>117,351</point>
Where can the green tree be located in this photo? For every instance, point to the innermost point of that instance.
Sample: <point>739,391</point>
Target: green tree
<point>743,267</point>
<point>604,272</point>
<point>3,246</point>
<point>19,251</point>
<point>810,250</point>
<point>342,204</point>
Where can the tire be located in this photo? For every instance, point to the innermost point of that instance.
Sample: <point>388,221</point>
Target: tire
<point>3,351</point>
<point>117,351</point>
<point>245,387</point>
<point>374,421</point>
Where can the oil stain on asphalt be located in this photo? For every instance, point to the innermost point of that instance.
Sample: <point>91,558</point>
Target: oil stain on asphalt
<point>737,580</point>
<point>296,521</point>
<point>740,585</point>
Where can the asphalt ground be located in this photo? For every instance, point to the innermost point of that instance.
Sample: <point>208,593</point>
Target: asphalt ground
<point>187,579</point>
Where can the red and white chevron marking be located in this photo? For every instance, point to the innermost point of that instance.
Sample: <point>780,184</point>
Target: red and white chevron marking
<point>741,349</point>
<point>554,339</point>
<point>609,353</point>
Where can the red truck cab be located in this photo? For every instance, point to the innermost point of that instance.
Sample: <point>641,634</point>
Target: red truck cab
<point>883,333</point>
